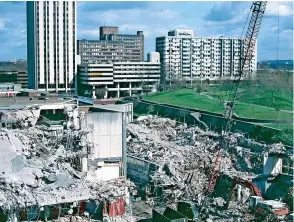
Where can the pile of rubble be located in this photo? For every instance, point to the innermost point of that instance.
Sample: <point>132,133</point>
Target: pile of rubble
<point>19,117</point>
<point>86,219</point>
<point>42,166</point>
<point>187,154</point>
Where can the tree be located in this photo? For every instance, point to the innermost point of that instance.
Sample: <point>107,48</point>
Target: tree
<point>100,93</point>
<point>169,78</point>
<point>227,86</point>
<point>279,86</point>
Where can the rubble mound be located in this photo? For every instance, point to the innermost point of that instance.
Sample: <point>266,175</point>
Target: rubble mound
<point>41,165</point>
<point>186,154</point>
<point>19,117</point>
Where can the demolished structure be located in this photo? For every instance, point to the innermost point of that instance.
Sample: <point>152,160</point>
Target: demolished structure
<point>66,162</point>
<point>49,171</point>
<point>185,156</point>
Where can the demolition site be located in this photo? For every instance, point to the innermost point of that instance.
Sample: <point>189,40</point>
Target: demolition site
<point>74,161</point>
<point>72,158</point>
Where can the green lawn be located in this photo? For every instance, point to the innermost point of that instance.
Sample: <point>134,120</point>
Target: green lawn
<point>191,99</point>
<point>279,126</point>
<point>258,96</point>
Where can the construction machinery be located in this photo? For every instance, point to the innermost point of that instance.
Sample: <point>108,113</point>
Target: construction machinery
<point>257,203</point>
<point>257,12</point>
<point>246,183</point>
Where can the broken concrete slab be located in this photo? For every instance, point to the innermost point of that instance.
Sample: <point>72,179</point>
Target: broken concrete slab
<point>186,156</point>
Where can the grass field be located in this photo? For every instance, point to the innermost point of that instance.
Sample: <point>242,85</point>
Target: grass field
<point>279,126</point>
<point>191,99</point>
<point>256,95</point>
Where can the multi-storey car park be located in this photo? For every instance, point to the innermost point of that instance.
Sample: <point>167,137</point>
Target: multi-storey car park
<point>186,57</point>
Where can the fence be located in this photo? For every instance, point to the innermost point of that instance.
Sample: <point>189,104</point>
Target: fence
<point>213,121</point>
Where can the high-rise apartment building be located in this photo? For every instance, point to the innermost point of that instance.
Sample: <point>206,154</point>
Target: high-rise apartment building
<point>186,57</point>
<point>112,47</point>
<point>51,45</point>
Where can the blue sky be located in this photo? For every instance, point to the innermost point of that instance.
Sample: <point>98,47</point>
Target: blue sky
<point>156,19</point>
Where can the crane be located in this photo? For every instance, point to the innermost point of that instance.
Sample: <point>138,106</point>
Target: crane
<point>257,12</point>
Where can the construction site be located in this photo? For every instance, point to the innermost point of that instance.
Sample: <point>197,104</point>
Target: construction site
<point>97,163</point>
<point>76,159</point>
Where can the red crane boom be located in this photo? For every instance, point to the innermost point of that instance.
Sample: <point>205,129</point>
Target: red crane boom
<point>257,10</point>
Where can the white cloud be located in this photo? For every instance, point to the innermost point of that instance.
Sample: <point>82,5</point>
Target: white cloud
<point>113,17</point>
<point>288,31</point>
<point>89,33</point>
<point>20,37</point>
<point>2,23</point>
<point>149,30</point>
<point>183,27</point>
<point>132,27</point>
<point>129,21</point>
<point>284,9</point>
<point>273,28</point>
<point>236,19</point>
<point>165,14</point>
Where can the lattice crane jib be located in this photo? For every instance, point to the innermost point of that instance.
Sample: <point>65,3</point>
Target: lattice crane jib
<point>257,12</point>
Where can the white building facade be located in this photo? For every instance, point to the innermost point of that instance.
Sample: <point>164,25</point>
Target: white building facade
<point>118,79</point>
<point>153,57</point>
<point>186,57</point>
<point>51,45</point>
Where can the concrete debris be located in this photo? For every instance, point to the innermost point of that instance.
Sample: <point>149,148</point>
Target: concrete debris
<point>219,202</point>
<point>123,218</point>
<point>85,219</point>
<point>36,170</point>
<point>186,155</point>
<point>39,168</point>
<point>277,148</point>
<point>20,118</point>
<point>73,219</point>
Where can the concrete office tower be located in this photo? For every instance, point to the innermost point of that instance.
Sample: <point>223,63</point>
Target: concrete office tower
<point>119,79</point>
<point>185,57</point>
<point>51,45</point>
<point>105,31</point>
<point>112,47</point>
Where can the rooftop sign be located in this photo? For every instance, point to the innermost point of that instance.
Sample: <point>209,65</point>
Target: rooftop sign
<point>182,32</point>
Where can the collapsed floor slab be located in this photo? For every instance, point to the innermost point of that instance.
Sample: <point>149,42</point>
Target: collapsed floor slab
<point>186,156</point>
<point>43,165</point>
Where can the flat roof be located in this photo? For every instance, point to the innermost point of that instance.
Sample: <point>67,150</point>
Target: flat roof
<point>118,63</point>
<point>102,41</point>
<point>108,26</point>
<point>198,37</point>
<point>107,107</point>
<point>25,101</point>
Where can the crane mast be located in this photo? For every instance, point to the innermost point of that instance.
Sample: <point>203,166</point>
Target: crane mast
<point>257,12</point>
